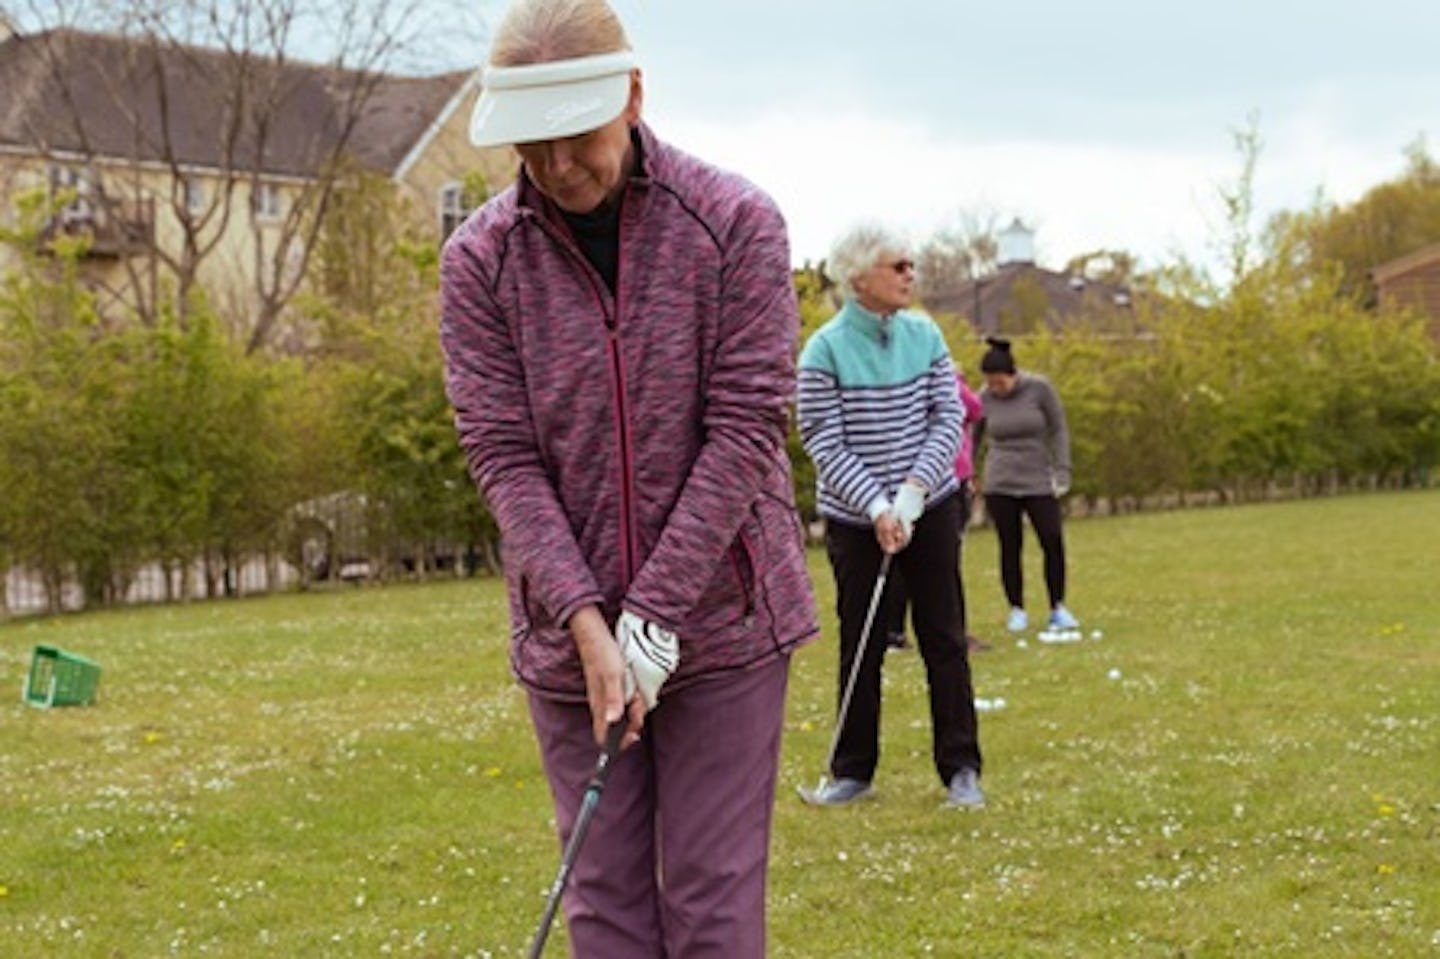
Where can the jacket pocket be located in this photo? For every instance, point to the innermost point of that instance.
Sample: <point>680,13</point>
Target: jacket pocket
<point>742,562</point>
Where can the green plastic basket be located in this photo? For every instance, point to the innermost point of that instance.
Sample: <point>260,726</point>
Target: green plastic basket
<point>58,678</point>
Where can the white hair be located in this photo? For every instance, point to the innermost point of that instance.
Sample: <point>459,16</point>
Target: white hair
<point>857,250</point>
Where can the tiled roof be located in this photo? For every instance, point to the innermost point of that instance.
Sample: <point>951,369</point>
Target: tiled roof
<point>111,96</point>
<point>1423,257</point>
<point>1067,297</point>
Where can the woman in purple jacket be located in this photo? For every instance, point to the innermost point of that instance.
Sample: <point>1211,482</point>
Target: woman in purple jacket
<point>619,331</point>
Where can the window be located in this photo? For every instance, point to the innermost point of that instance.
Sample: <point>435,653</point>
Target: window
<point>81,208</point>
<point>452,209</point>
<point>194,195</point>
<point>266,201</point>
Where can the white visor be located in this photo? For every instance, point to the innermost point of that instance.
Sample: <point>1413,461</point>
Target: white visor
<point>547,101</point>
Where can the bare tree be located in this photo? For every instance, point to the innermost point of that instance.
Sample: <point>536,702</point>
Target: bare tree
<point>214,96</point>
<point>963,251</point>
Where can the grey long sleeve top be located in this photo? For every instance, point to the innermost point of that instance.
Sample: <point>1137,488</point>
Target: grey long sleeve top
<point>1029,444</point>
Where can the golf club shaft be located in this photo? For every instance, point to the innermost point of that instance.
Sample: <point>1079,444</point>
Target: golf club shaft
<point>859,657</point>
<point>588,802</point>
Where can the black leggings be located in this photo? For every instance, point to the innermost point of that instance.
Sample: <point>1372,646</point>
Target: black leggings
<point>1044,513</point>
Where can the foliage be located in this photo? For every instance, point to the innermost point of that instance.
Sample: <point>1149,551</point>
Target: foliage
<point>1271,379</point>
<point>156,437</point>
<point>1116,267</point>
<point>376,302</point>
<point>1027,308</point>
<point>353,774</point>
<point>60,388</point>
<point>817,305</point>
<point>196,434</point>
<point>125,443</point>
<point>1389,221</point>
<point>1280,387</point>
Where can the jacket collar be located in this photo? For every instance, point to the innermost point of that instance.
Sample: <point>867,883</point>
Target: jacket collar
<point>872,326</point>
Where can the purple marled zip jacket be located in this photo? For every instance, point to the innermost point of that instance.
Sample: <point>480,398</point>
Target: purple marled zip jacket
<point>632,446</point>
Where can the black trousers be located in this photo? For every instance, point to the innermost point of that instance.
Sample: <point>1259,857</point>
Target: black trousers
<point>1044,512</point>
<point>930,566</point>
<point>897,598</point>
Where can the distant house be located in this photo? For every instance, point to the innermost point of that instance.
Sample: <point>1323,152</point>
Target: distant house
<point>1412,282</point>
<point>1020,297</point>
<point>165,144</point>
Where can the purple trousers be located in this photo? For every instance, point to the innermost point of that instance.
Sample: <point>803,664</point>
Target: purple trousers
<point>674,864</point>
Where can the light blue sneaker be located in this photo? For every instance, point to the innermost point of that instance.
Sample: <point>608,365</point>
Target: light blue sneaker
<point>1062,618</point>
<point>965,791</point>
<point>1018,621</point>
<point>837,792</point>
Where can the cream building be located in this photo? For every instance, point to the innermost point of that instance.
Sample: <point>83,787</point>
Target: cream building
<point>184,161</point>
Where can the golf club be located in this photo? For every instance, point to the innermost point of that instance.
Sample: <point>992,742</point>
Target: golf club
<point>810,795</point>
<point>588,803</point>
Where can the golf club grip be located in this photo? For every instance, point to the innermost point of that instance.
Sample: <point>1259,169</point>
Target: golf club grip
<point>613,735</point>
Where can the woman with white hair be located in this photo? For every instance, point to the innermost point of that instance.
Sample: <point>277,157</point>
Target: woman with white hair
<point>880,416</point>
<point>619,330</point>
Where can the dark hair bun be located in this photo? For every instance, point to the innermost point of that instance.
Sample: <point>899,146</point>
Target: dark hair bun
<point>997,359</point>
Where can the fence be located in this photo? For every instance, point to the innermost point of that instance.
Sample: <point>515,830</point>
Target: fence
<point>25,592</point>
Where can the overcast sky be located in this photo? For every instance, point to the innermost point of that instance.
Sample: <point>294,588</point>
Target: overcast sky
<point>1102,124</point>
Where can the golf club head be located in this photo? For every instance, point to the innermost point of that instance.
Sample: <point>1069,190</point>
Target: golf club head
<point>811,797</point>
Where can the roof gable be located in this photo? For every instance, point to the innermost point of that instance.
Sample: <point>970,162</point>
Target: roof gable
<point>127,98</point>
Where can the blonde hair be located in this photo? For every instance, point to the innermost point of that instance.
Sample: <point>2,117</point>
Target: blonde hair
<point>541,31</point>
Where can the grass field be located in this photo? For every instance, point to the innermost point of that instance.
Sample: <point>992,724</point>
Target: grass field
<point>352,773</point>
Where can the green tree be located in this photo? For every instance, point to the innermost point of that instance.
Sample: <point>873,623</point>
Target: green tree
<point>61,383</point>
<point>1027,309</point>
<point>1390,220</point>
<point>196,436</point>
<point>375,304</point>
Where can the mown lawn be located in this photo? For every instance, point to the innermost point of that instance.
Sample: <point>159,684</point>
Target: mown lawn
<point>1247,763</point>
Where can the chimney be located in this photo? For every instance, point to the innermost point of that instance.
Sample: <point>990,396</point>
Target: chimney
<point>1017,244</point>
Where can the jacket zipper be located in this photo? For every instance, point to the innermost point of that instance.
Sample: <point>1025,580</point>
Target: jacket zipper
<point>617,369</point>
<point>622,416</point>
<point>622,438</point>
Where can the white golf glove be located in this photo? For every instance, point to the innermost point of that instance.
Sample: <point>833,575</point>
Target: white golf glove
<point>909,506</point>
<point>1060,483</point>
<point>651,655</point>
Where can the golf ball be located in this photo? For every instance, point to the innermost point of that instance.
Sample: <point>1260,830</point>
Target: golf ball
<point>1096,634</point>
<point>1114,673</point>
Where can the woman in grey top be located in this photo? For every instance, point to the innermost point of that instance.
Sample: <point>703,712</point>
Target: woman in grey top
<point>1027,470</point>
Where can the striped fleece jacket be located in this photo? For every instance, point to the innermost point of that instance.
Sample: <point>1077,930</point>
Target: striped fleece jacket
<point>632,445</point>
<point>878,404</point>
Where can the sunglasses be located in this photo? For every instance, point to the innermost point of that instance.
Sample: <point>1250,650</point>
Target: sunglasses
<point>902,266</point>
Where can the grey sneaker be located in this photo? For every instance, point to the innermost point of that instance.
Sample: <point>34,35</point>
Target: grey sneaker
<point>1062,618</point>
<point>837,792</point>
<point>965,790</point>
